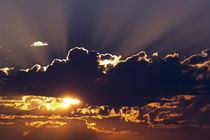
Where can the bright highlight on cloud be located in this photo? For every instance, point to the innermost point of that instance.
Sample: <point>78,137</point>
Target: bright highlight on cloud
<point>6,70</point>
<point>30,116</point>
<point>108,61</point>
<point>106,78</point>
<point>28,103</point>
<point>122,98</point>
<point>69,101</point>
<point>39,44</point>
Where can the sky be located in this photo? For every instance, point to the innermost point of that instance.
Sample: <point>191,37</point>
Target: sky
<point>98,70</point>
<point>119,27</point>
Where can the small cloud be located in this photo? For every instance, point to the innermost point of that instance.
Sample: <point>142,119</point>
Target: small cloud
<point>205,108</point>
<point>155,54</point>
<point>39,44</point>
<point>6,70</point>
<point>25,133</point>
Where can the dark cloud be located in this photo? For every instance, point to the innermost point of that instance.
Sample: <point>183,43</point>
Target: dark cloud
<point>198,58</point>
<point>127,81</point>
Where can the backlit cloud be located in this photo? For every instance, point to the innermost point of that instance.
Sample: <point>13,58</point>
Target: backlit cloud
<point>168,113</point>
<point>108,61</point>
<point>6,70</point>
<point>107,78</point>
<point>39,44</point>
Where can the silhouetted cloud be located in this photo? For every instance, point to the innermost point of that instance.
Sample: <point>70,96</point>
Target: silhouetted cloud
<point>198,58</point>
<point>82,73</point>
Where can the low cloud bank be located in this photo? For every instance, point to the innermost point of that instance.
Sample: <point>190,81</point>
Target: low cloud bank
<point>106,78</point>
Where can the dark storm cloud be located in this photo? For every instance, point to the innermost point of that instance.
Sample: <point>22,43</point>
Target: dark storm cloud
<point>129,81</point>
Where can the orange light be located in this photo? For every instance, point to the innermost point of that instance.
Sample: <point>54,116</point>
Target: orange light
<point>69,101</point>
<point>31,102</point>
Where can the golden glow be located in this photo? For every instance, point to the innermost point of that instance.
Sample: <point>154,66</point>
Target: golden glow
<point>69,101</point>
<point>108,62</point>
<point>6,70</point>
<point>25,133</point>
<point>155,54</point>
<point>39,44</point>
<point>115,59</point>
<point>154,114</point>
<point>37,68</point>
<point>27,103</point>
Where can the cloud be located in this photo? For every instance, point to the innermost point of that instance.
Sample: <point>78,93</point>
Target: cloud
<point>140,76</point>
<point>28,103</point>
<point>205,108</point>
<point>198,58</point>
<point>106,78</point>
<point>6,70</point>
<point>39,44</point>
<point>108,61</point>
<point>166,113</point>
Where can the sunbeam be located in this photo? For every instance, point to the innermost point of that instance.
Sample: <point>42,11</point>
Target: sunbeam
<point>104,69</point>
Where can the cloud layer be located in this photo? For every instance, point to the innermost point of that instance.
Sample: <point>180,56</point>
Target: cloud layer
<point>106,78</point>
<point>26,118</point>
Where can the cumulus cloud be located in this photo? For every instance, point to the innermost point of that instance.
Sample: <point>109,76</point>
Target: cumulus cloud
<point>39,44</point>
<point>107,78</point>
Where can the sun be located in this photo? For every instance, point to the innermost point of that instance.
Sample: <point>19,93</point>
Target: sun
<point>69,101</point>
